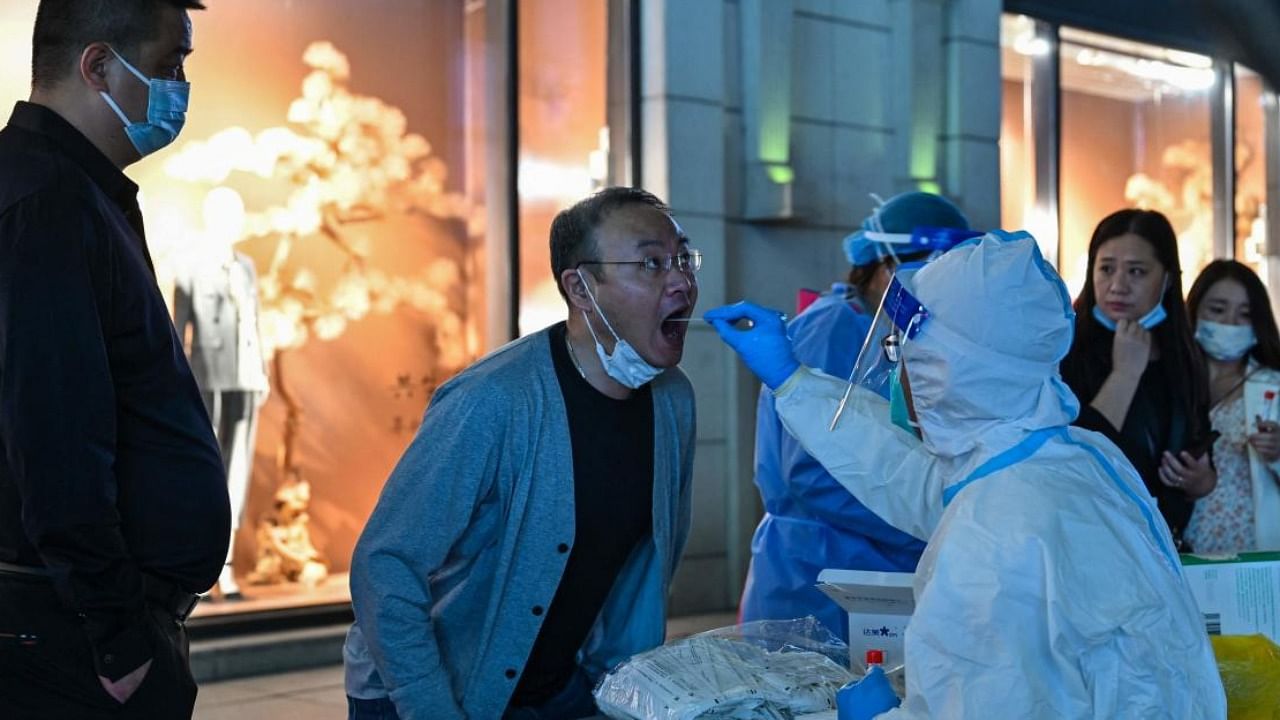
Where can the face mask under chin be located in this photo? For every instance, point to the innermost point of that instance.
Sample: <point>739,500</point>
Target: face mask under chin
<point>1149,321</point>
<point>624,365</point>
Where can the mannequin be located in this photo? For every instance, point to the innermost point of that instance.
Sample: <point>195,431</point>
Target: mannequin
<point>216,316</point>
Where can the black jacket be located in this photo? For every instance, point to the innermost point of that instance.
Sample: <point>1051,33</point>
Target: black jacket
<point>108,464</point>
<point>1160,418</point>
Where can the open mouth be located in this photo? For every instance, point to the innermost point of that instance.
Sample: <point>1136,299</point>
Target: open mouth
<point>676,323</point>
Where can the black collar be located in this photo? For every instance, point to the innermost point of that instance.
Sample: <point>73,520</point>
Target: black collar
<point>43,121</point>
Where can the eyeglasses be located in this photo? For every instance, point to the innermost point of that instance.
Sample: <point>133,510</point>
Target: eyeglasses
<point>689,261</point>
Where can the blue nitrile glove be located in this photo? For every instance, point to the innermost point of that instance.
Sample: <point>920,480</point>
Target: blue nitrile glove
<point>866,698</point>
<point>764,347</point>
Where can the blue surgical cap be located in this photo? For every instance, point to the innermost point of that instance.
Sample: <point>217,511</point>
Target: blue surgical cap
<point>901,214</point>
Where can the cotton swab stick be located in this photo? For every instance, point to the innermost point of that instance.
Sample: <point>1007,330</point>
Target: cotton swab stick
<point>698,319</point>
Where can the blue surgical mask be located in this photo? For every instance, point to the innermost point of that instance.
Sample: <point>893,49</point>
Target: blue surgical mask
<point>899,413</point>
<point>166,111</point>
<point>1148,321</point>
<point>1225,342</point>
<point>625,364</point>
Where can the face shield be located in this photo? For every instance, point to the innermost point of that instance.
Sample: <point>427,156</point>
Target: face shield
<point>877,370</point>
<point>923,242</point>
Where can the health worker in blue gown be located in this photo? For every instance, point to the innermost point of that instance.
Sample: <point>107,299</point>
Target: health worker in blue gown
<point>811,522</point>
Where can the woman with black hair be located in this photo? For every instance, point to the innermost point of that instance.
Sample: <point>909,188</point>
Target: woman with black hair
<point>1134,366</point>
<point>1236,330</point>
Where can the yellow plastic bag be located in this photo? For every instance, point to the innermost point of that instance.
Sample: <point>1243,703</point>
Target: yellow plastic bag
<point>1250,668</point>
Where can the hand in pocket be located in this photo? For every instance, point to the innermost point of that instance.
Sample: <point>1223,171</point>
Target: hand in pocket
<point>124,688</point>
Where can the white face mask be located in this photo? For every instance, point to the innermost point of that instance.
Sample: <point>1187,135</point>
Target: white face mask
<point>625,364</point>
<point>1225,342</point>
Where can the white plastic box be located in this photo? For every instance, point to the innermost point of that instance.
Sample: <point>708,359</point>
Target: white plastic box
<point>879,605</point>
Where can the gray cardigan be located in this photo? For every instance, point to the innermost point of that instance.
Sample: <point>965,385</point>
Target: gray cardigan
<point>471,532</point>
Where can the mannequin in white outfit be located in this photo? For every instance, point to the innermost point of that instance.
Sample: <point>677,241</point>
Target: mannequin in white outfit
<point>216,297</point>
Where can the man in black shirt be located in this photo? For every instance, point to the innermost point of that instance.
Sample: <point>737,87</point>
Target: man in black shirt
<point>113,504</point>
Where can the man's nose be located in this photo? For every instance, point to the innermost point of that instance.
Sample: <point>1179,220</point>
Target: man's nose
<point>678,280</point>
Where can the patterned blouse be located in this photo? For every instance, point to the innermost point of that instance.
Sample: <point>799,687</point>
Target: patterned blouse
<point>1222,522</point>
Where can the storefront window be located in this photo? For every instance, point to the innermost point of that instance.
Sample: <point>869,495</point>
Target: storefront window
<point>334,156</point>
<point>1131,126</point>
<point>1251,170</point>
<point>339,159</point>
<point>564,141</point>
<point>350,185</point>
<point>1135,133</point>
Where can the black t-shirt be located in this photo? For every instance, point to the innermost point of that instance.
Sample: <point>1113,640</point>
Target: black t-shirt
<point>612,443</point>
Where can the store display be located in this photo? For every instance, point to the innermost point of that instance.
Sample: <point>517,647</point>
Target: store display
<point>216,306</point>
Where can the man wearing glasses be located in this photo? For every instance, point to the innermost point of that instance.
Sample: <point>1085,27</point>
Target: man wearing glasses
<point>525,542</point>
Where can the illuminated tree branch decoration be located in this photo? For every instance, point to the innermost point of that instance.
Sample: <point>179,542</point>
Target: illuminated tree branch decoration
<point>347,162</point>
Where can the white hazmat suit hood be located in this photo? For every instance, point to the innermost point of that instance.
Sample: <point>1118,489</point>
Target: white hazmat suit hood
<point>977,382</point>
<point>1049,587</point>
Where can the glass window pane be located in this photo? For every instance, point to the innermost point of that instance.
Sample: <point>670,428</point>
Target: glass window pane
<point>1251,171</point>
<point>1019,47</point>
<point>563,135</point>
<point>1135,133</point>
<point>1017,171</point>
<point>340,154</point>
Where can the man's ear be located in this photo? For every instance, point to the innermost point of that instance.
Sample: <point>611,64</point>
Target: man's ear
<point>93,66</point>
<point>576,290</point>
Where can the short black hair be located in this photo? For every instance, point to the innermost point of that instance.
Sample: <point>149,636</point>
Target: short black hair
<point>573,239</point>
<point>64,28</point>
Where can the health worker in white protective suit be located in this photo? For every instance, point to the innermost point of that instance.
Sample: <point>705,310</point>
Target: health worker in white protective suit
<point>1049,587</point>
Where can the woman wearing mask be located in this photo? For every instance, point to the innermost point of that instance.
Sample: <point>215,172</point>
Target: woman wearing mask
<point>1237,332</point>
<point>1134,366</point>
